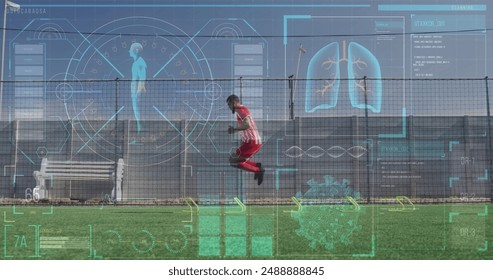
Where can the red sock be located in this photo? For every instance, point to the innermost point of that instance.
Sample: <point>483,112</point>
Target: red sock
<point>248,166</point>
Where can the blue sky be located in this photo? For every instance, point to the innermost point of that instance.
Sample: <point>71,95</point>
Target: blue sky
<point>87,40</point>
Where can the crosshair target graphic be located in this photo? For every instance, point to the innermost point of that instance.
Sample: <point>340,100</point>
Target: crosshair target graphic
<point>94,107</point>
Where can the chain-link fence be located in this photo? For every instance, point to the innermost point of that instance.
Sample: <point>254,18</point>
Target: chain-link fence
<point>372,140</point>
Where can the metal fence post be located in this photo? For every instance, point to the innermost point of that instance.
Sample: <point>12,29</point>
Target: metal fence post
<point>117,89</point>
<point>241,89</point>
<point>368,200</point>
<point>489,135</point>
<point>291,97</point>
<point>117,155</point>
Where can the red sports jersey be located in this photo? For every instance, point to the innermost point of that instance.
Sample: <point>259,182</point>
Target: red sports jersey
<point>250,135</point>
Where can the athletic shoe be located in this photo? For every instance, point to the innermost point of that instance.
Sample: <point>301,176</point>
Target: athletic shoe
<point>255,177</point>
<point>260,176</point>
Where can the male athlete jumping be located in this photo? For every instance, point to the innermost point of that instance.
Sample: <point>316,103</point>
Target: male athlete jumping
<point>250,138</point>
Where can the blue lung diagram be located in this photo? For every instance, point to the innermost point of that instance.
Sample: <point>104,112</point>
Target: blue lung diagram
<point>325,65</point>
<point>361,63</point>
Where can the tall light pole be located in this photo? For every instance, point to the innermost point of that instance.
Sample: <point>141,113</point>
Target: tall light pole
<point>15,7</point>
<point>293,82</point>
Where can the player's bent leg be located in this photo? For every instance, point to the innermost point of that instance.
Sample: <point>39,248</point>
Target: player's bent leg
<point>248,167</point>
<point>234,160</point>
<point>242,163</point>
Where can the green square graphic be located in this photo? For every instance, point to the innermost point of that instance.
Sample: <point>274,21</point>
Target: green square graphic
<point>235,225</point>
<point>210,210</point>
<point>20,241</point>
<point>262,246</point>
<point>468,232</point>
<point>235,246</point>
<point>262,225</point>
<point>209,246</point>
<point>209,225</point>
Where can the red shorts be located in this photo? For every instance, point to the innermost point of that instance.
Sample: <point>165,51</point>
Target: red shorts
<point>247,150</point>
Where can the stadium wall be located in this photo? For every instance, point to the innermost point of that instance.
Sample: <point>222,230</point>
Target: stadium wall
<point>426,159</point>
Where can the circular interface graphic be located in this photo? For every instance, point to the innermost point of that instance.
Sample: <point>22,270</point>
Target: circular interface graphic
<point>97,91</point>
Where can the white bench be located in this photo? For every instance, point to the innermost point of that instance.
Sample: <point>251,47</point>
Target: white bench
<point>54,170</point>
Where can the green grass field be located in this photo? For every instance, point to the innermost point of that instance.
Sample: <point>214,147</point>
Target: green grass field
<point>439,231</point>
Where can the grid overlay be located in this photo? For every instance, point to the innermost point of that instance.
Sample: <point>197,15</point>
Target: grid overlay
<point>425,139</point>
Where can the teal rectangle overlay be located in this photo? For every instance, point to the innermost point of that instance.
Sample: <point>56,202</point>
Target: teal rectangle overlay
<point>209,225</point>
<point>235,225</point>
<point>262,246</point>
<point>210,210</point>
<point>389,25</point>
<point>209,246</point>
<point>428,8</point>
<point>433,23</point>
<point>235,246</point>
<point>406,149</point>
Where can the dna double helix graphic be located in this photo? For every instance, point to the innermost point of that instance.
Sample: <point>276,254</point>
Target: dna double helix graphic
<point>333,152</point>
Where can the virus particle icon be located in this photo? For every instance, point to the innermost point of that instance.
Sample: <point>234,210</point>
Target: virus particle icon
<point>327,217</point>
